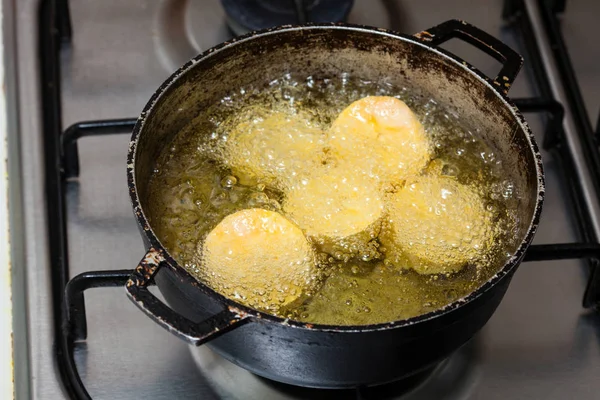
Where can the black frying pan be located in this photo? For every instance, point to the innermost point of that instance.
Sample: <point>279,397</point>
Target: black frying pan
<point>318,355</point>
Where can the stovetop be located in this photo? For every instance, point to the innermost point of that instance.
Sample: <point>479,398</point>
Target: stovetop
<point>540,343</point>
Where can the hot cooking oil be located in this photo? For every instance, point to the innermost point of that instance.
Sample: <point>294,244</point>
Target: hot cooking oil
<point>259,145</point>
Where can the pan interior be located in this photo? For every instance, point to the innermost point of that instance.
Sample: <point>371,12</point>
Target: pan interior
<point>338,54</point>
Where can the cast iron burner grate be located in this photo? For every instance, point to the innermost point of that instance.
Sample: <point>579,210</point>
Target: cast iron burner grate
<point>62,163</point>
<point>244,16</point>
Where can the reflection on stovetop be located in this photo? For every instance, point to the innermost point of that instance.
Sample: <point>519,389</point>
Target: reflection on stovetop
<point>450,379</point>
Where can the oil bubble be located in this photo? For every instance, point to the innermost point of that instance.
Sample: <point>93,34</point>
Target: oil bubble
<point>228,182</point>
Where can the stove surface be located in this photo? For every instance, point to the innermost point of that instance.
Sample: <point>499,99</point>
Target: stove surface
<point>539,344</point>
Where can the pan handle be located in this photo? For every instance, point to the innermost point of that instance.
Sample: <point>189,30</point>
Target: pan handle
<point>195,333</point>
<point>510,59</point>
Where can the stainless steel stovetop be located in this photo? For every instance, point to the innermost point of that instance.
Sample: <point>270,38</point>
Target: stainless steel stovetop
<point>540,343</point>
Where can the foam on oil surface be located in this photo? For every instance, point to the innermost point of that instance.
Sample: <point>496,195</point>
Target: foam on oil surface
<point>258,146</point>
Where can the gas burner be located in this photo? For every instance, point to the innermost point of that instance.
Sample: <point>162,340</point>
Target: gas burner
<point>183,28</point>
<point>450,379</point>
<point>250,15</point>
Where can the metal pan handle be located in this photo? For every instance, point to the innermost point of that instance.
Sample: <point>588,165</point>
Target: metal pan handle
<point>196,333</point>
<point>510,59</point>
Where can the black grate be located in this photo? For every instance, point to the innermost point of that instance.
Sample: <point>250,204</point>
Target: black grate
<point>62,163</point>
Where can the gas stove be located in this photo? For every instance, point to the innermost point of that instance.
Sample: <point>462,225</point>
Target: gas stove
<point>84,70</point>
